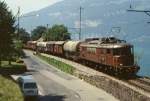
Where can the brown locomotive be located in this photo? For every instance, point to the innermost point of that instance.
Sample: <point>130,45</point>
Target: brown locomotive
<point>108,54</point>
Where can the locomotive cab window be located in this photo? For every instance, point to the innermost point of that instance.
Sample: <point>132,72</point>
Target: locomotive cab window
<point>132,50</point>
<point>123,51</point>
<point>116,52</point>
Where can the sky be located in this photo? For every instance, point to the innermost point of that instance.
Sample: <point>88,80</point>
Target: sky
<point>27,6</point>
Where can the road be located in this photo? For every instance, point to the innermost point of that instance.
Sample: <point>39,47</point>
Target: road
<point>55,85</point>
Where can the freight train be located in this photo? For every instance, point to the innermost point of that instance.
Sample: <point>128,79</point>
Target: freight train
<point>108,54</point>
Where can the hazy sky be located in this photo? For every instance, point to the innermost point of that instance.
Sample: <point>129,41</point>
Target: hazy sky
<point>28,5</point>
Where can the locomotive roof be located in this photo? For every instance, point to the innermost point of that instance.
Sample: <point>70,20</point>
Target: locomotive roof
<point>105,45</point>
<point>106,42</point>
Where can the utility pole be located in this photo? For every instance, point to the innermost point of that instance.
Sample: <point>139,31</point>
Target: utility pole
<point>47,30</point>
<point>47,27</point>
<point>80,23</point>
<point>145,11</point>
<point>18,21</point>
<point>135,10</point>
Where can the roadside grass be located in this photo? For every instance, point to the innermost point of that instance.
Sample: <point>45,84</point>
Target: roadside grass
<point>14,68</point>
<point>58,64</point>
<point>13,65</point>
<point>9,90</point>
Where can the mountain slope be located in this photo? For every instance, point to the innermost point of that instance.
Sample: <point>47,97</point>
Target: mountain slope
<point>98,17</point>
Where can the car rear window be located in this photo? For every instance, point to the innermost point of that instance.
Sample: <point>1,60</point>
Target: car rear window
<point>30,85</point>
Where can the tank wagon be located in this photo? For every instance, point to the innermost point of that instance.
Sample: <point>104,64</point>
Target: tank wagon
<point>71,50</point>
<point>108,54</point>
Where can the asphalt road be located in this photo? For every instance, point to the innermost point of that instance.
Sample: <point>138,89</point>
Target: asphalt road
<point>49,89</point>
<point>55,85</point>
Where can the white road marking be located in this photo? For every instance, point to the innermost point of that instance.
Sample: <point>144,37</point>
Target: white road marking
<point>15,77</point>
<point>41,91</point>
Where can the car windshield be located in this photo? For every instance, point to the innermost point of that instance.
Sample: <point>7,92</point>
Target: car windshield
<point>30,85</point>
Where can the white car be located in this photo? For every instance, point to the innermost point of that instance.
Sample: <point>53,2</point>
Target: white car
<point>28,86</point>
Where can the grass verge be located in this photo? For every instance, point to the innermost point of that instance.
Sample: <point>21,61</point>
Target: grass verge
<point>13,65</point>
<point>9,90</point>
<point>58,64</point>
<point>14,68</point>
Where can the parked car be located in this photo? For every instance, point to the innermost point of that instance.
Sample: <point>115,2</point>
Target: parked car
<point>28,86</point>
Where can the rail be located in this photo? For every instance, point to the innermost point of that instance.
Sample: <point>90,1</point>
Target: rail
<point>141,83</point>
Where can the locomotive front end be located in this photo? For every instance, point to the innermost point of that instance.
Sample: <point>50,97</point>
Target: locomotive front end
<point>123,58</point>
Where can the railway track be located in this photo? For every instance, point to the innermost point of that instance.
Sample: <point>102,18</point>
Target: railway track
<point>141,83</point>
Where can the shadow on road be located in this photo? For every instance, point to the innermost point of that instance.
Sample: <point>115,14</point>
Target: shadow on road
<point>31,71</point>
<point>25,56</point>
<point>52,98</point>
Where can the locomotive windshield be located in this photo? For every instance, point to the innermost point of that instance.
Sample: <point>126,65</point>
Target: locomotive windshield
<point>123,51</point>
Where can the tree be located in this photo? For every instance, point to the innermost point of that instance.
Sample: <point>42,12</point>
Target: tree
<point>57,33</point>
<point>7,29</point>
<point>23,35</point>
<point>37,32</point>
<point>18,52</point>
